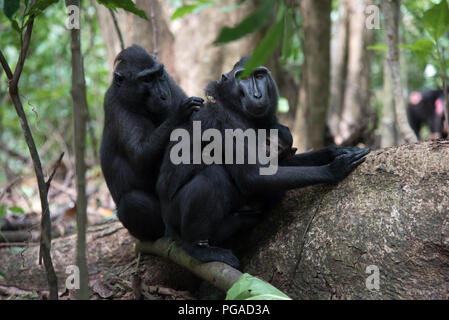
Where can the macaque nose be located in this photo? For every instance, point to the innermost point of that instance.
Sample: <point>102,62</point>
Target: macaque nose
<point>257,95</point>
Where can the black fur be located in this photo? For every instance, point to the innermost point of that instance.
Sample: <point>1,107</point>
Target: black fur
<point>142,106</point>
<point>204,205</point>
<point>424,112</point>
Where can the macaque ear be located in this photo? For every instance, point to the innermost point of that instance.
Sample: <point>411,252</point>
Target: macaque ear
<point>118,77</point>
<point>439,107</point>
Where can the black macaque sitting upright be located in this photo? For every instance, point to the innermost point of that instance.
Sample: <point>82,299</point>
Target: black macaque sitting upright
<point>142,106</point>
<point>427,108</point>
<point>204,204</point>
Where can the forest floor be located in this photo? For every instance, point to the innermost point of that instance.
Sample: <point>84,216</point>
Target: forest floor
<point>20,230</point>
<point>20,206</point>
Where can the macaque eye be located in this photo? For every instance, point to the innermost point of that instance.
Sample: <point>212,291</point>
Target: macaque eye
<point>259,76</point>
<point>118,77</point>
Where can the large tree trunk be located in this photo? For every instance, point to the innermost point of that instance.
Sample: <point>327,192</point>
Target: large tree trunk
<point>315,92</point>
<point>392,212</point>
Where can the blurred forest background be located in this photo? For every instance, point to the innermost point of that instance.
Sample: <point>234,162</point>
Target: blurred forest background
<point>328,57</point>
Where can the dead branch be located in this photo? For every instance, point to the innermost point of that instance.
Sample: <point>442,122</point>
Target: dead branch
<point>58,163</point>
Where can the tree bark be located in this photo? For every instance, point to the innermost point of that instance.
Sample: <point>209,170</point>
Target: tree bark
<point>391,212</point>
<point>316,46</point>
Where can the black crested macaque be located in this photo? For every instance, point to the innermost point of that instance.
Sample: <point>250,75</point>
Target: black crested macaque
<point>142,106</point>
<point>204,204</point>
<point>426,107</point>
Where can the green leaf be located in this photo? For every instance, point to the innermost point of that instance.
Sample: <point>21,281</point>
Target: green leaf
<point>15,25</point>
<point>2,210</point>
<point>2,275</point>
<point>16,209</point>
<point>44,4</point>
<point>10,7</point>
<point>378,47</point>
<point>287,41</point>
<point>422,48</point>
<point>251,23</point>
<point>252,288</point>
<point>40,6</point>
<point>267,45</point>
<point>283,106</point>
<point>181,11</point>
<point>436,20</point>
<point>17,250</point>
<point>127,5</point>
<point>191,8</point>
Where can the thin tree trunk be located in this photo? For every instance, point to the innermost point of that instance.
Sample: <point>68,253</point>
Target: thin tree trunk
<point>316,25</point>
<point>300,132</point>
<point>78,92</point>
<point>339,54</point>
<point>391,12</point>
<point>357,93</point>
<point>287,86</point>
<point>388,135</point>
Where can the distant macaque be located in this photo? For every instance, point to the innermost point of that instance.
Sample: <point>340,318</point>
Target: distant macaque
<point>427,108</point>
